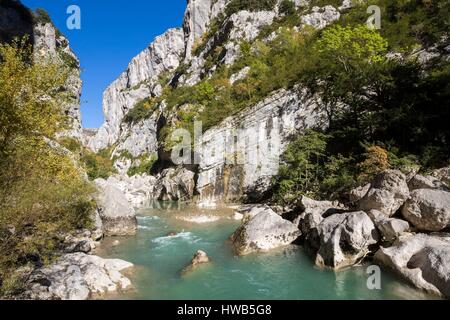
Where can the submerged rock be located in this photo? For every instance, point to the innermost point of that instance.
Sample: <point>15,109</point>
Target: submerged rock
<point>78,276</point>
<point>342,240</point>
<point>387,193</point>
<point>422,260</point>
<point>200,258</point>
<point>263,232</point>
<point>428,210</point>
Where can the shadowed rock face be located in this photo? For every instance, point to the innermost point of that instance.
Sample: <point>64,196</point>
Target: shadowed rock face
<point>15,21</point>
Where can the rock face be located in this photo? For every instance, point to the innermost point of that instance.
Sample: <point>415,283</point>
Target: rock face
<point>78,277</point>
<point>138,82</point>
<point>428,210</point>
<point>251,158</point>
<point>321,17</point>
<point>429,182</point>
<point>175,184</point>
<point>390,229</point>
<point>200,258</point>
<point>342,240</point>
<point>236,163</point>
<point>387,193</point>
<point>18,21</point>
<point>15,21</point>
<point>422,260</point>
<point>264,232</point>
<point>117,215</point>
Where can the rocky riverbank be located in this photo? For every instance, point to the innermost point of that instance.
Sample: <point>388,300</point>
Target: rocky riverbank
<point>397,222</point>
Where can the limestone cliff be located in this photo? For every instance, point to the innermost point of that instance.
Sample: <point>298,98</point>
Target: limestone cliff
<point>17,21</point>
<point>182,58</point>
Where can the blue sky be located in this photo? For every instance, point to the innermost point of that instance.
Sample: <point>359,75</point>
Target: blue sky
<point>112,33</point>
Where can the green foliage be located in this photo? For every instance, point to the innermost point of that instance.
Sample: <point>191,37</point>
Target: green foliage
<point>41,16</point>
<point>98,165</point>
<point>145,165</point>
<point>287,7</point>
<point>43,194</point>
<point>310,170</point>
<point>69,60</point>
<point>142,110</point>
<point>249,5</point>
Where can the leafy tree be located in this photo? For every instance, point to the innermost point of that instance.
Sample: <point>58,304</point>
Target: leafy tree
<point>348,66</point>
<point>43,194</point>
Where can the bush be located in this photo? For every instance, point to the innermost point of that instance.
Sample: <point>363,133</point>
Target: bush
<point>249,5</point>
<point>98,165</point>
<point>145,166</point>
<point>42,17</point>
<point>287,7</point>
<point>142,110</point>
<point>376,161</point>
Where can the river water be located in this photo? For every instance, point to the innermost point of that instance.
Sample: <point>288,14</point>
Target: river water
<point>287,273</point>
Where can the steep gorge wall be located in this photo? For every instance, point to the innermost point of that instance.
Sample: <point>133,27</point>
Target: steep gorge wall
<point>277,118</point>
<point>17,21</point>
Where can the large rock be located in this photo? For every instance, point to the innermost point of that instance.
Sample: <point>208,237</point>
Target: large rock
<point>264,232</point>
<point>428,182</point>
<point>443,175</point>
<point>78,277</point>
<point>175,184</point>
<point>388,192</point>
<point>390,229</point>
<point>118,216</point>
<point>422,260</point>
<point>310,213</point>
<point>428,210</point>
<point>342,240</point>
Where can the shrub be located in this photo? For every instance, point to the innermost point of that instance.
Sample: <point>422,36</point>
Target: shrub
<point>376,161</point>
<point>145,166</point>
<point>98,165</point>
<point>249,5</point>
<point>142,110</point>
<point>287,7</point>
<point>42,17</point>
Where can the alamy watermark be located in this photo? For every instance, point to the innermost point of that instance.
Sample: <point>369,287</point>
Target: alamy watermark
<point>73,22</point>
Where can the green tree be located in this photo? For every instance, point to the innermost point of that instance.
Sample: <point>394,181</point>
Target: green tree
<point>43,193</point>
<point>347,70</point>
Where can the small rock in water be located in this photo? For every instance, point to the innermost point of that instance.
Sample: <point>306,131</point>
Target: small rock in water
<point>116,243</point>
<point>200,219</point>
<point>238,216</point>
<point>200,258</point>
<point>172,234</point>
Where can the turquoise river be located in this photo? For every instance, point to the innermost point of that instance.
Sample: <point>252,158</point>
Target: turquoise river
<point>287,273</point>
